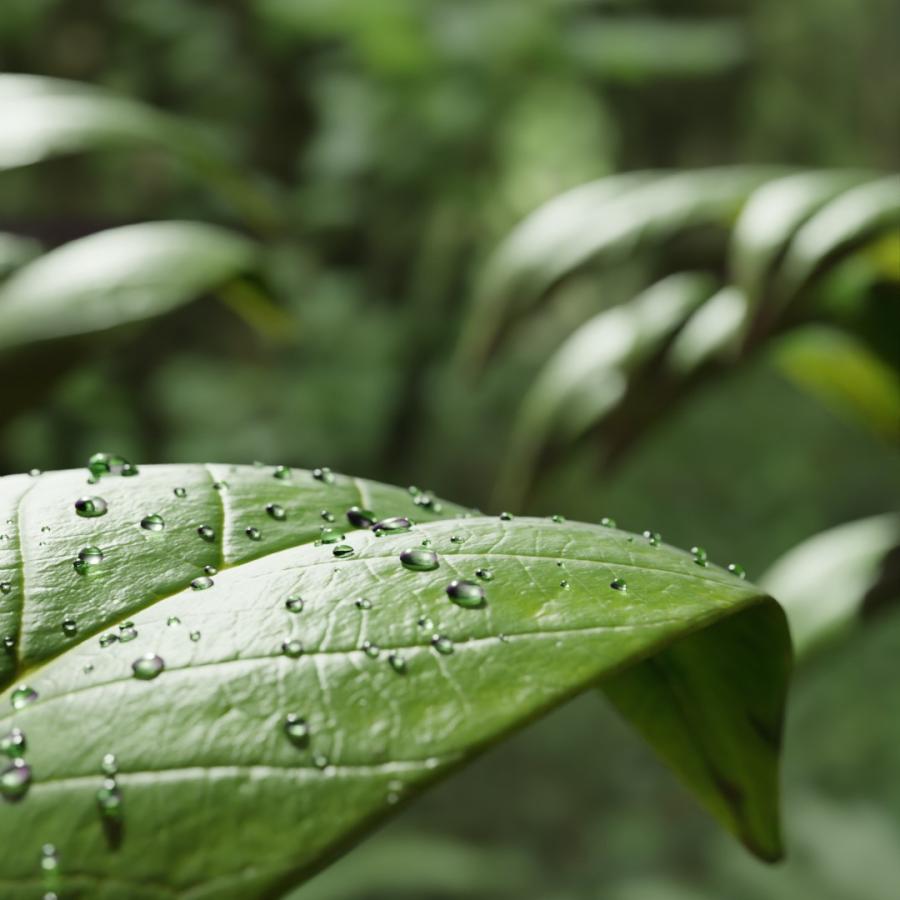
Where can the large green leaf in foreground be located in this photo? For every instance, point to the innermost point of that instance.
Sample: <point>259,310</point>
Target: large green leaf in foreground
<point>395,683</point>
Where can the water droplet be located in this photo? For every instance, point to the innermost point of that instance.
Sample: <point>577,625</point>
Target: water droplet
<point>194,636</point>
<point>442,644</point>
<point>371,650</point>
<point>456,539</point>
<point>397,663</point>
<point>173,621</point>
<point>360,518</point>
<point>329,535</point>
<point>202,583</point>
<point>737,569</point>
<point>147,667</point>
<point>9,643</point>
<point>34,473</point>
<point>467,594</point>
<point>69,626</point>
<point>294,604</point>
<point>564,584</point>
<point>87,558</point>
<point>323,474</point>
<point>392,525</point>
<point>207,533</point>
<point>699,555</point>
<point>127,632</point>
<point>153,522</point>
<point>558,519</point>
<point>109,765</point>
<point>91,507</point>
<point>417,560</point>
<point>363,603</point>
<point>506,517</point>
<point>13,743</point>
<point>276,512</point>
<point>5,587</point>
<point>129,470</point>
<point>210,570</point>
<point>180,492</point>
<point>22,696</point>
<point>87,668</point>
<point>326,515</point>
<point>282,473</point>
<point>106,463</point>
<point>342,551</point>
<point>253,533</point>
<point>425,622</point>
<point>618,584</point>
<point>292,648</point>
<point>220,485</point>
<point>109,799</point>
<point>320,761</point>
<point>15,780</point>
<point>107,639</point>
<point>297,730</point>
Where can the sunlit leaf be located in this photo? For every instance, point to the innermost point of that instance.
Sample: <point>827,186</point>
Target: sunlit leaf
<point>117,276</point>
<point>393,683</point>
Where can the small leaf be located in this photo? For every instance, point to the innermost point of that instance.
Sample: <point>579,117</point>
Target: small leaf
<point>253,739</point>
<point>826,582</point>
<point>117,276</point>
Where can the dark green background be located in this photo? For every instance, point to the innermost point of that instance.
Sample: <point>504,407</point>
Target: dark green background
<point>403,139</point>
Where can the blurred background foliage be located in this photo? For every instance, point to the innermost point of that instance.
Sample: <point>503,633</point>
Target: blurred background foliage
<point>379,151</point>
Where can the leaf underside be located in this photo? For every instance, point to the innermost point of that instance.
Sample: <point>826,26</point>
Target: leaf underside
<point>217,801</point>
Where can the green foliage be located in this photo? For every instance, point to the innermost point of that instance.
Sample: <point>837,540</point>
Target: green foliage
<point>395,682</point>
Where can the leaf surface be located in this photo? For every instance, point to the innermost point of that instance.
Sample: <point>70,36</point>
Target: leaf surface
<point>217,800</point>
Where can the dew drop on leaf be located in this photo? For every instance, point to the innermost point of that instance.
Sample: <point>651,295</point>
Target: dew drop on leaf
<point>564,584</point>
<point>210,570</point>
<point>506,517</point>
<point>69,626</point>
<point>558,519</point>
<point>397,663</point>
<point>147,667</point>
<point>654,538</point>
<point>202,583</point>
<point>180,492</point>
<point>417,560</point>
<point>329,535</point>
<point>194,636</point>
<point>292,648</point>
<point>700,556</point>
<point>323,474</point>
<point>90,507</point>
<point>13,743</point>
<point>467,594</point>
<point>392,525</point>
<point>484,574</point>
<point>360,518</point>
<point>9,643</point>
<point>618,584</point>
<point>22,696</point>
<point>109,799</point>
<point>442,644</point>
<point>363,603</point>
<point>253,533</point>
<point>296,729</point>
<point>737,569</point>
<point>342,551</point>
<point>109,765</point>
<point>282,473</point>
<point>127,632</point>
<point>207,533</point>
<point>87,558</point>
<point>294,604</point>
<point>153,522</point>
<point>326,515</point>
<point>607,522</point>
<point>107,639</point>
<point>220,485</point>
<point>276,511</point>
<point>5,587</point>
<point>371,650</point>
<point>173,621</point>
<point>15,780</point>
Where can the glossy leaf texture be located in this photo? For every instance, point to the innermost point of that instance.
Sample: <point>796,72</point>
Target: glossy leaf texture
<point>265,712</point>
<point>117,276</point>
<point>831,580</point>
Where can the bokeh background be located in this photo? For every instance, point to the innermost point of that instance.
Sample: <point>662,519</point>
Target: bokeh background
<point>399,141</point>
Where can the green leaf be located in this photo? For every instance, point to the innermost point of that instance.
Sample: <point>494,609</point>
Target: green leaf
<point>769,220</point>
<point>588,375</point>
<point>117,276</point>
<point>847,222</point>
<point>602,222</point>
<point>217,801</point>
<point>827,582</point>
<point>15,251</point>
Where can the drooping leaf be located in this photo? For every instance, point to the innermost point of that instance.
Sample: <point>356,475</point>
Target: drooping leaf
<point>600,222</point>
<point>850,220</point>
<point>588,375</point>
<point>711,332</point>
<point>117,276</point>
<point>827,582</point>
<point>393,683</point>
<point>770,218</point>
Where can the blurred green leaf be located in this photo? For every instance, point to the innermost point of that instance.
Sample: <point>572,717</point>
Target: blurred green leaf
<point>15,251</point>
<point>588,375</point>
<point>117,276</point>
<point>204,759</point>
<point>824,582</point>
<point>713,331</point>
<point>842,372</point>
